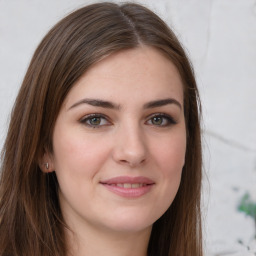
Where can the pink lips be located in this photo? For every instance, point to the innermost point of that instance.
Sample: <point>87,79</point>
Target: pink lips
<point>130,187</point>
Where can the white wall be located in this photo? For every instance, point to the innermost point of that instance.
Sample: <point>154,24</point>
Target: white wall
<point>220,36</point>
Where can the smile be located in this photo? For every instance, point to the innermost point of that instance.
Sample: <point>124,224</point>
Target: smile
<point>129,187</point>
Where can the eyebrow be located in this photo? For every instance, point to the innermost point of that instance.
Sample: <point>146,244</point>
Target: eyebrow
<point>160,103</point>
<point>96,103</point>
<point>111,105</point>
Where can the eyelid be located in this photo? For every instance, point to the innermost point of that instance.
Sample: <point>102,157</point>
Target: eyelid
<point>170,119</point>
<point>98,115</point>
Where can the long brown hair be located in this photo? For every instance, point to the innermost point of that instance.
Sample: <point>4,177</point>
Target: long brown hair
<point>31,222</point>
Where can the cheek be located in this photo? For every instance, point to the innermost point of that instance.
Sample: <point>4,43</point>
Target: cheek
<point>170,154</point>
<point>78,160</point>
<point>172,162</point>
<point>170,158</point>
<point>77,155</point>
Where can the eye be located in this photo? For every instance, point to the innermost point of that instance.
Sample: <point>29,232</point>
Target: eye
<point>95,120</point>
<point>162,120</point>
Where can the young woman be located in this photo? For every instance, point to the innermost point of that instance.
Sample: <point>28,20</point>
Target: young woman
<point>103,151</point>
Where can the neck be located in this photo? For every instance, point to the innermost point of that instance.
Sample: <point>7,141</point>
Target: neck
<point>91,242</point>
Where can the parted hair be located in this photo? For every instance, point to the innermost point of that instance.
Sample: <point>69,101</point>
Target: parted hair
<point>31,222</point>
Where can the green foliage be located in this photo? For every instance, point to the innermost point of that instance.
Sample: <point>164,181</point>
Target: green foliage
<point>248,206</point>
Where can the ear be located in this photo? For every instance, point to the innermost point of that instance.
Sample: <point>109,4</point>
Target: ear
<point>46,163</point>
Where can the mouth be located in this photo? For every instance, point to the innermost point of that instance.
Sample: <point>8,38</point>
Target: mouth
<point>129,187</point>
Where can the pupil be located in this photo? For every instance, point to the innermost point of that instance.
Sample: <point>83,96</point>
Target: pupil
<point>95,121</point>
<point>157,120</point>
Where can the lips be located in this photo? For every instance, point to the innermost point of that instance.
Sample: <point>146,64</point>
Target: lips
<point>130,187</point>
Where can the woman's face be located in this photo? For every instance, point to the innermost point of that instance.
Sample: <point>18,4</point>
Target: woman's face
<point>119,142</point>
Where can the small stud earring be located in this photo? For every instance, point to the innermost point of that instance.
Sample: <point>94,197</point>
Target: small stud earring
<point>46,165</point>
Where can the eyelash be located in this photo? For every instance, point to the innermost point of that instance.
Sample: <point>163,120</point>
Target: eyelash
<point>168,119</point>
<point>89,118</point>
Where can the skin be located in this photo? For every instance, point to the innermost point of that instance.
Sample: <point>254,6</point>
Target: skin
<point>125,140</point>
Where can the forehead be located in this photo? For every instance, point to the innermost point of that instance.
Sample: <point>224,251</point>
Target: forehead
<point>144,60</point>
<point>142,71</point>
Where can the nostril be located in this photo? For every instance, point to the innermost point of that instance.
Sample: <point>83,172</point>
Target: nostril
<point>131,149</point>
<point>132,163</point>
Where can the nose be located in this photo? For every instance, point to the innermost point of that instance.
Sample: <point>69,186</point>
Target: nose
<point>130,146</point>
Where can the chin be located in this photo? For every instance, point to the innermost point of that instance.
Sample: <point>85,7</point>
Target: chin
<point>134,222</point>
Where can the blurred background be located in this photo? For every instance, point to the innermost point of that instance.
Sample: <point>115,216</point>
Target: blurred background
<point>220,38</point>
